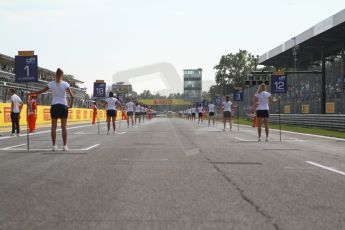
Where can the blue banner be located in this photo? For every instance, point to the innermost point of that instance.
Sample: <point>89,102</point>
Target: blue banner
<point>279,84</point>
<point>26,69</point>
<point>99,90</point>
<point>238,95</point>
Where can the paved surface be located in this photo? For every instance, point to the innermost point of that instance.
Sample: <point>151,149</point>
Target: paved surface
<point>171,174</point>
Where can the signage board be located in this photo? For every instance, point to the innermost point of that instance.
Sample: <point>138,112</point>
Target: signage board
<point>121,97</point>
<point>238,95</point>
<point>99,90</point>
<point>279,84</point>
<point>26,69</point>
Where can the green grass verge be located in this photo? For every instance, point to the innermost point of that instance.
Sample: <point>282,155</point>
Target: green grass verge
<point>299,129</point>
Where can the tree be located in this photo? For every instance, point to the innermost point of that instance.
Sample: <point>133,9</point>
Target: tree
<point>175,96</point>
<point>146,94</point>
<point>206,96</point>
<point>215,90</point>
<point>134,94</point>
<point>159,96</point>
<point>232,70</point>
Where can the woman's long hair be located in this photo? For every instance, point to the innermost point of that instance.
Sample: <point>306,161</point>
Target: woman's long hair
<point>59,75</point>
<point>262,87</point>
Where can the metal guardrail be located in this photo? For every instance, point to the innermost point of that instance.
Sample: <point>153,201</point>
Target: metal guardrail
<point>7,81</point>
<point>324,121</point>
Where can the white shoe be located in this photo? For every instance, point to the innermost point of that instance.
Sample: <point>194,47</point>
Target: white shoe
<point>65,148</point>
<point>55,148</point>
<point>267,140</point>
<point>17,134</point>
<point>259,140</point>
<point>114,132</point>
<point>12,134</point>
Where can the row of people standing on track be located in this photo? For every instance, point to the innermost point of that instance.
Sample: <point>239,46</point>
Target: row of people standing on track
<point>58,110</point>
<point>135,112</point>
<point>60,105</point>
<point>225,109</point>
<point>261,102</point>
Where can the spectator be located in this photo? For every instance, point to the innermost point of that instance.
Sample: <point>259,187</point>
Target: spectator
<point>16,108</point>
<point>32,113</point>
<point>94,115</point>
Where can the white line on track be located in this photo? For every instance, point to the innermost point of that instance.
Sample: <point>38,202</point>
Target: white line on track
<point>304,134</point>
<point>240,139</point>
<point>327,168</point>
<point>43,132</point>
<point>91,147</point>
<point>84,133</point>
<point>22,149</point>
<point>14,146</point>
<point>311,135</point>
<point>121,133</point>
<point>80,132</point>
<point>295,139</point>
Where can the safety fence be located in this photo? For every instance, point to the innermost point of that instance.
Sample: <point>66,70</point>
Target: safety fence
<point>7,82</point>
<point>304,92</point>
<point>43,115</point>
<point>330,122</point>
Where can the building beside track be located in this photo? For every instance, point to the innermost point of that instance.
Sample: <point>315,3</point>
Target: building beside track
<point>318,57</point>
<point>7,81</point>
<point>192,83</point>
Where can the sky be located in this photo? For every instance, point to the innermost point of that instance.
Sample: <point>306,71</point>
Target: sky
<point>94,39</point>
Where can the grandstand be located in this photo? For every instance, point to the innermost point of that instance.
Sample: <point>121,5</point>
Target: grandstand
<point>7,80</point>
<point>321,48</point>
<point>315,59</point>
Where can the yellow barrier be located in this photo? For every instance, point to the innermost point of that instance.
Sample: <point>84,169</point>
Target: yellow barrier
<point>165,102</point>
<point>305,108</point>
<point>43,115</point>
<point>330,107</point>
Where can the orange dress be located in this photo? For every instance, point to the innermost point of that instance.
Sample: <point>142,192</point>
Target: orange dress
<point>32,108</point>
<point>94,115</point>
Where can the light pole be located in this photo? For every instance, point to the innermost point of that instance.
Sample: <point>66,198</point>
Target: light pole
<point>294,53</point>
